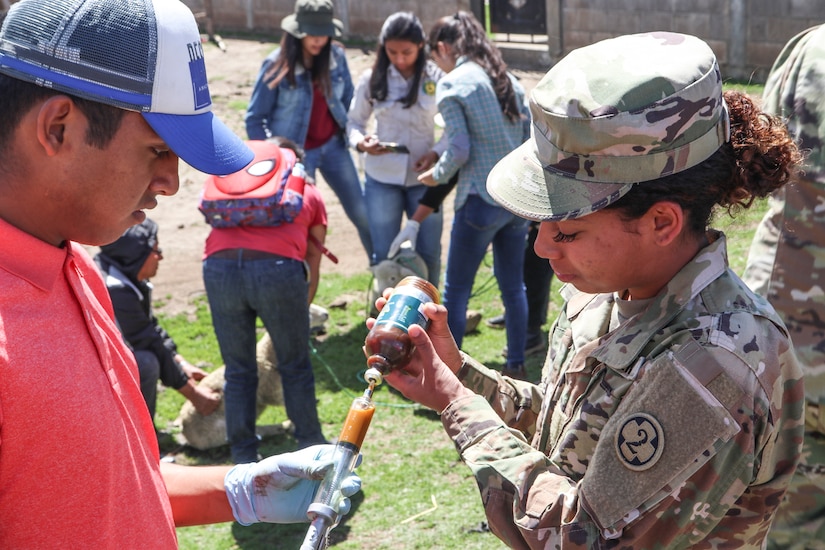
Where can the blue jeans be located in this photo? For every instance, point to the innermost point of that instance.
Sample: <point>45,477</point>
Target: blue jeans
<point>538,276</point>
<point>334,160</point>
<point>149,371</point>
<point>275,290</point>
<point>475,226</point>
<point>386,205</point>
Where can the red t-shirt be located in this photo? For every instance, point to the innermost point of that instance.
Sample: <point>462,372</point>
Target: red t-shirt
<point>79,464</point>
<point>288,239</point>
<point>321,124</point>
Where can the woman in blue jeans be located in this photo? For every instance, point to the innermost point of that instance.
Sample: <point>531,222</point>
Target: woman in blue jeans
<point>260,271</point>
<point>302,93</point>
<point>398,91</point>
<point>485,117</point>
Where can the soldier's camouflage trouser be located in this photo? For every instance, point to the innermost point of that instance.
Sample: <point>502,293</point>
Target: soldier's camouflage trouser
<point>800,521</point>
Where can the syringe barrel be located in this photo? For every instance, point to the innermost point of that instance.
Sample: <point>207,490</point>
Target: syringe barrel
<point>316,536</point>
<point>344,459</point>
<point>357,422</point>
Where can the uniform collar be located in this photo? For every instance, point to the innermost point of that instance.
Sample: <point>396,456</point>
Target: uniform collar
<point>621,348</point>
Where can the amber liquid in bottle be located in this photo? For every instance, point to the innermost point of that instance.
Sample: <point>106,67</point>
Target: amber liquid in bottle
<point>388,344</point>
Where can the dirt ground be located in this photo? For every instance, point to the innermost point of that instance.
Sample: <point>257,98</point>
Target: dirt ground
<point>183,230</point>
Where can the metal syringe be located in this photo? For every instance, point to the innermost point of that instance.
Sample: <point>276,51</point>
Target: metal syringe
<point>323,512</point>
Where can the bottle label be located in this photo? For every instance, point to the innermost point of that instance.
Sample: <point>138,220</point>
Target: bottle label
<point>404,309</point>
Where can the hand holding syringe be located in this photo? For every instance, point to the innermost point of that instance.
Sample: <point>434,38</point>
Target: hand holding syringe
<point>387,347</point>
<point>323,512</point>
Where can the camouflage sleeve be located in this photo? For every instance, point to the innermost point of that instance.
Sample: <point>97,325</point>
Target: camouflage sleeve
<point>699,449</point>
<point>517,403</point>
<point>726,449</point>
<point>787,255</point>
<point>505,465</point>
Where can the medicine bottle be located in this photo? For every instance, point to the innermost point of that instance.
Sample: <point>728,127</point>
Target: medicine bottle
<point>388,344</point>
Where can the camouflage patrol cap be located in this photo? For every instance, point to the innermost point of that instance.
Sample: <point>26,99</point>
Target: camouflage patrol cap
<point>609,115</point>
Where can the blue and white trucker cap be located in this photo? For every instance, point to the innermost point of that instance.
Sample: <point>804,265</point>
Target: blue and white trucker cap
<point>138,55</point>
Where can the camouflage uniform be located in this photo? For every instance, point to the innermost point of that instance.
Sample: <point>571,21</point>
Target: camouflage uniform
<point>677,427</point>
<point>787,265</point>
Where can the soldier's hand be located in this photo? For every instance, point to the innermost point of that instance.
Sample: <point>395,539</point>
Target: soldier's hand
<point>427,379</point>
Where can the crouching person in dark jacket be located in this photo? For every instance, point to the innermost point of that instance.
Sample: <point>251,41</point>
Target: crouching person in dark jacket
<point>127,265</point>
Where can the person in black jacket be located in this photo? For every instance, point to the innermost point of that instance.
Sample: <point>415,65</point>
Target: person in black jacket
<point>127,265</point>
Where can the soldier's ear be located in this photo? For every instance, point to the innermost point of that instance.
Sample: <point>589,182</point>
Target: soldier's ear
<point>665,221</point>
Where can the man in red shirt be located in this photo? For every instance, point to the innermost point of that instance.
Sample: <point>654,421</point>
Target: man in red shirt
<point>100,98</point>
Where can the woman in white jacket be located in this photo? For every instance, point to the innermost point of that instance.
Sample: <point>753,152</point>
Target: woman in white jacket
<point>399,91</point>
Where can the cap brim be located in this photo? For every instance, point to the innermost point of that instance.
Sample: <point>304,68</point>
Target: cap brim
<point>202,141</point>
<point>521,185</point>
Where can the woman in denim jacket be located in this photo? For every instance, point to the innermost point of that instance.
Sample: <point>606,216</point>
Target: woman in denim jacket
<point>303,93</point>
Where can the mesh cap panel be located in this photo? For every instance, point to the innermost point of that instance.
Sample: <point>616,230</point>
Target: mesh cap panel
<point>140,55</point>
<point>97,46</point>
<point>100,32</point>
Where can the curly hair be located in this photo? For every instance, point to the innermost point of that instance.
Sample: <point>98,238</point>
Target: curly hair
<point>760,158</point>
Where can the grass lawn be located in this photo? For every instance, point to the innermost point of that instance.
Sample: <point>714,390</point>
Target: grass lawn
<point>416,492</point>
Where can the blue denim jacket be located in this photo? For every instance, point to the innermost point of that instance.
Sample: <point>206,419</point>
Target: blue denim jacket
<point>285,111</point>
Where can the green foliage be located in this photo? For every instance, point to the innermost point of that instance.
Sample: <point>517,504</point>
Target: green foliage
<point>416,492</point>
<point>739,229</point>
<point>239,105</point>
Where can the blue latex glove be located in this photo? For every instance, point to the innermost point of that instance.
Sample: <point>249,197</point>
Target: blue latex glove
<point>279,489</point>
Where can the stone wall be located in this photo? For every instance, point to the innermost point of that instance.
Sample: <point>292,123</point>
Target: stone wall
<point>745,34</point>
<point>362,18</point>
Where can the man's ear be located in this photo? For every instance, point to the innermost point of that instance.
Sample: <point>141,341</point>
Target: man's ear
<point>665,220</point>
<point>52,118</point>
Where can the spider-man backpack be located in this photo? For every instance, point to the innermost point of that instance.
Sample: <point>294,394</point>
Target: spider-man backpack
<point>269,191</point>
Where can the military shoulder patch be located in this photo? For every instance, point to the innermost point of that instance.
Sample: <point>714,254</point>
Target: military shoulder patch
<point>640,442</point>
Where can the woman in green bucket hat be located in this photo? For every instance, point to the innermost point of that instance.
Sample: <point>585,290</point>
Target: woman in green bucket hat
<point>669,411</point>
<point>303,93</point>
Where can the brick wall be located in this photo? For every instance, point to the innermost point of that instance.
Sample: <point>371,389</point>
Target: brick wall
<point>362,18</point>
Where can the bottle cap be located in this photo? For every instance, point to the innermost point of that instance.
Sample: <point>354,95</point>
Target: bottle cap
<point>374,376</point>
